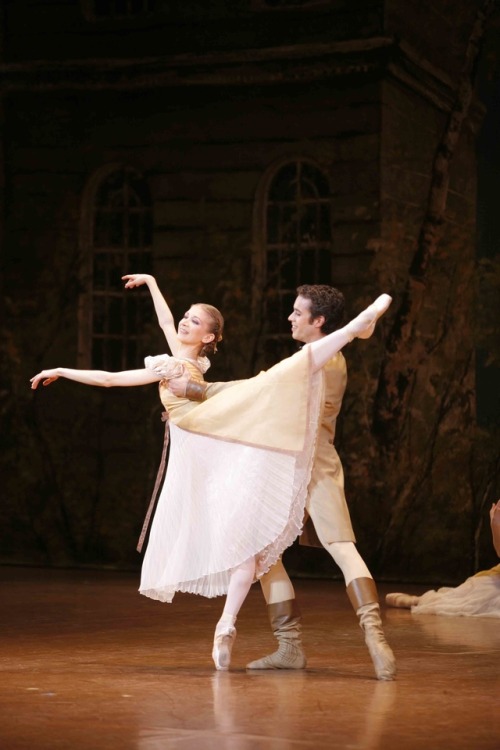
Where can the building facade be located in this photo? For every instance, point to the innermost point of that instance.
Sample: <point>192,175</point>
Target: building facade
<point>235,150</point>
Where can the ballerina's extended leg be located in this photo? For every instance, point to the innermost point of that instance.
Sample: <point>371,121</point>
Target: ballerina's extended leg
<point>242,578</point>
<point>362,326</point>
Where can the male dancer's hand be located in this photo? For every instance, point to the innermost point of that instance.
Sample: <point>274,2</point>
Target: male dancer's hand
<point>185,387</point>
<point>178,386</point>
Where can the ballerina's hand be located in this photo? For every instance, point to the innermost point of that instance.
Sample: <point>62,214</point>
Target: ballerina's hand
<point>46,376</point>
<point>363,325</point>
<point>136,279</point>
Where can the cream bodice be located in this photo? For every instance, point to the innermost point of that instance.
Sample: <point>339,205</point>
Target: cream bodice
<point>172,367</point>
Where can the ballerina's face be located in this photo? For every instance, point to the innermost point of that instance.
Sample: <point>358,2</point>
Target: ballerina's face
<point>195,327</point>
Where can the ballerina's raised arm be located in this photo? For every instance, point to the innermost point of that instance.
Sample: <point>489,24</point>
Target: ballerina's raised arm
<point>163,311</point>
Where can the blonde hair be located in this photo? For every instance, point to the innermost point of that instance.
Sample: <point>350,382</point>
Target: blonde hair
<point>217,327</point>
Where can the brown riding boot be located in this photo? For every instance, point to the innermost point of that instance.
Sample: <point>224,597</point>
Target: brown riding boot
<point>362,594</point>
<point>285,621</point>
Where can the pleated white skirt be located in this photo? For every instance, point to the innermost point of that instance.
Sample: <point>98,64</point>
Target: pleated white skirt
<point>223,502</point>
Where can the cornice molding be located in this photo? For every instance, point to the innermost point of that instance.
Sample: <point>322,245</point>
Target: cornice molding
<point>379,56</point>
<point>250,66</point>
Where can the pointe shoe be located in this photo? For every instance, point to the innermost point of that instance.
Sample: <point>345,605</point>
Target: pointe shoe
<point>223,645</point>
<point>363,326</point>
<point>403,601</point>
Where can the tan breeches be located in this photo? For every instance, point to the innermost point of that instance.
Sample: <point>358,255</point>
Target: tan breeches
<point>327,508</point>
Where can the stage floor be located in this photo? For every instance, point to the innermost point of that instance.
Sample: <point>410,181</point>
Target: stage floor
<point>89,664</point>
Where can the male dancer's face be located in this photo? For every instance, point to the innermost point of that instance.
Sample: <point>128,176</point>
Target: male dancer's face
<point>305,328</point>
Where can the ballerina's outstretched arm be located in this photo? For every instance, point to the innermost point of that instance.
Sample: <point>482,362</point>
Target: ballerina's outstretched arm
<point>360,327</point>
<point>100,378</point>
<point>163,311</point>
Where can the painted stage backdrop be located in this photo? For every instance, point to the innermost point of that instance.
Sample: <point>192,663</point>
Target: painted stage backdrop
<point>235,150</point>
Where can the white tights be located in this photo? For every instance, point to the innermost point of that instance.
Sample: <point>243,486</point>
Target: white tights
<point>349,561</point>
<point>242,578</point>
<point>277,586</point>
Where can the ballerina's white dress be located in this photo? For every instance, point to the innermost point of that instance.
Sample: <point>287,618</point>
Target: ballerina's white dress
<point>237,477</point>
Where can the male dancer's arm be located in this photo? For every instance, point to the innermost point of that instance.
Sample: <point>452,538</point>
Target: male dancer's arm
<point>185,387</point>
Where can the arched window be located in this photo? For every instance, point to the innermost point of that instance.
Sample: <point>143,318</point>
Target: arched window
<point>119,237</point>
<point>295,244</point>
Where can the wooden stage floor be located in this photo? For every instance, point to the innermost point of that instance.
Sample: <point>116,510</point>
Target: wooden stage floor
<point>89,664</point>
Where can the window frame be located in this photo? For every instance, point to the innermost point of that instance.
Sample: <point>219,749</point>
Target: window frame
<point>261,244</point>
<point>87,334</point>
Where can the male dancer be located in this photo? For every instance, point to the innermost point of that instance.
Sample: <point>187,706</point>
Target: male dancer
<point>318,310</point>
